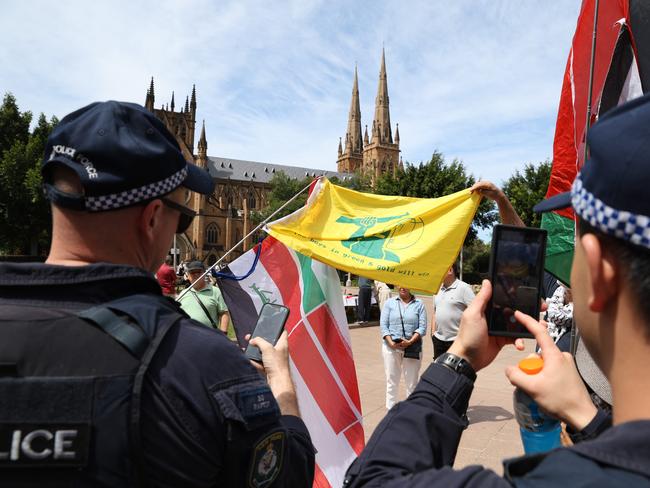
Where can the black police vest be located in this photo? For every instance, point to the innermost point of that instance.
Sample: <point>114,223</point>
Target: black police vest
<point>70,391</point>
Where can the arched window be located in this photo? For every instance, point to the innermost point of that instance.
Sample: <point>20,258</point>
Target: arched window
<point>211,233</point>
<point>252,201</point>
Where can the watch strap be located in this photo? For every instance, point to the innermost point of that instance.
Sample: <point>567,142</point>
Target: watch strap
<point>457,364</point>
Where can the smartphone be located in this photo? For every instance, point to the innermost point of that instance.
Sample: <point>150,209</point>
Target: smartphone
<point>516,272</point>
<point>270,324</point>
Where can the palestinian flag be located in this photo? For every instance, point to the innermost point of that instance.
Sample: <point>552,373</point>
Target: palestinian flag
<point>621,73</point>
<point>319,346</point>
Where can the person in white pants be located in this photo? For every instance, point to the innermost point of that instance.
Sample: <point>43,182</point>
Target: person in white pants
<point>403,323</point>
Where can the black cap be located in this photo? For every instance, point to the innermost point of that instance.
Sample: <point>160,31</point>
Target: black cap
<point>195,266</point>
<point>122,154</point>
<point>611,190</point>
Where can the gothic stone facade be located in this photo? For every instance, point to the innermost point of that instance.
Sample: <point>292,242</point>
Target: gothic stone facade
<point>378,154</point>
<point>242,187</point>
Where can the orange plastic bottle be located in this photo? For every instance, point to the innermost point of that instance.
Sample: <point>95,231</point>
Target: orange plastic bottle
<point>539,431</point>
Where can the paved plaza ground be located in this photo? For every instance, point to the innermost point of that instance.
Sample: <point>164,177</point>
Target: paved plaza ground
<point>493,433</point>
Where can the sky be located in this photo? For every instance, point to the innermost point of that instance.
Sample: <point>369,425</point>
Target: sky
<point>478,80</point>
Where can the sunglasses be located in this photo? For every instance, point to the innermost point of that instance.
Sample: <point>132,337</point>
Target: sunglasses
<point>186,214</point>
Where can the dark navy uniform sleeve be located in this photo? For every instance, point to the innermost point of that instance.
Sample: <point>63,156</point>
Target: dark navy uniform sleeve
<point>599,424</point>
<point>416,443</point>
<point>566,468</point>
<point>211,419</point>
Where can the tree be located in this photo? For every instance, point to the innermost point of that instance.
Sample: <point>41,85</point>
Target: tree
<point>476,261</point>
<point>283,187</point>
<point>435,179</point>
<point>14,126</point>
<point>24,211</point>
<point>357,182</point>
<point>526,190</point>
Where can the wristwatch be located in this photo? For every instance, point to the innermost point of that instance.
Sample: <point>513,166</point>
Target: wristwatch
<point>458,364</point>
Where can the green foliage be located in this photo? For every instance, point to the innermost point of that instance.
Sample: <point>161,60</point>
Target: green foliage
<point>476,261</point>
<point>526,190</point>
<point>283,188</point>
<point>14,126</point>
<point>435,179</point>
<point>24,212</point>
<point>358,182</point>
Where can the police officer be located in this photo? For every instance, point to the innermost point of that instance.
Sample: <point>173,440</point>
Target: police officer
<point>611,291</point>
<point>105,382</point>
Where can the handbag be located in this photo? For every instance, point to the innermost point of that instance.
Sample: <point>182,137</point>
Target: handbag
<point>414,350</point>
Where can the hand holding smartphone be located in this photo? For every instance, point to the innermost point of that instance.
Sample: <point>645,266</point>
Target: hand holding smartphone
<point>516,272</point>
<point>269,327</point>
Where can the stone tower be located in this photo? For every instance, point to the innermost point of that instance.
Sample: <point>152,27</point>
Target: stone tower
<point>381,153</point>
<point>181,123</point>
<point>350,158</point>
<point>199,204</point>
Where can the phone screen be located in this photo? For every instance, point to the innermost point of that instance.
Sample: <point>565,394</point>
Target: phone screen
<point>516,270</point>
<point>269,327</point>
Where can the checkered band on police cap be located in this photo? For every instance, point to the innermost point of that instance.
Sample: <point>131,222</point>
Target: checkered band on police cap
<point>136,195</point>
<point>622,224</point>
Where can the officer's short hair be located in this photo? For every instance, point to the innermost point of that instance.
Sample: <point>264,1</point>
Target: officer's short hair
<point>635,266</point>
<point>66,180</point>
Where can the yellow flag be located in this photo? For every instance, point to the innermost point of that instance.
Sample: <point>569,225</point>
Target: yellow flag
<point>410,242</point>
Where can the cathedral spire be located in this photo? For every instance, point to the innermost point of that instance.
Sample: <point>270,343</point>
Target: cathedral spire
<point>193,100</point>
<point>382,113</point>
<point>203,143</point>
<point>351,153</point>
<point>172,104</point>
<point>340,148</point>
<point>148,103</point>
<point>397,134</point>
<point>354,119</point>
<point>365,137</point>
<point>187,104</point>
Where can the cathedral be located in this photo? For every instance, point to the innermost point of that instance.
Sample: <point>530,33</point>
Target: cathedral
<point>378,154</point>
<point>223,218</point>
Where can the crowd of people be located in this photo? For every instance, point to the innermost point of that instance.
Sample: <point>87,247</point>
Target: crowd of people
<point>105,381</point>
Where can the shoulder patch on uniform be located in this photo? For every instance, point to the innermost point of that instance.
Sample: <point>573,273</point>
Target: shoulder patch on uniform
<point>267,460</point>
<point>257,402</point>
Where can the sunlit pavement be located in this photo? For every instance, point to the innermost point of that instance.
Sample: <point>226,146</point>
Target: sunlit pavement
<point>493,433</point>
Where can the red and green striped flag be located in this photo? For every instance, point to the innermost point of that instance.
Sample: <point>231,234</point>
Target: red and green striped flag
<point>319,346</point>
<point>617,78</point>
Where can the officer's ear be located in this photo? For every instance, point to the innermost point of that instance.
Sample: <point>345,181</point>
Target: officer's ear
<point>152,220</point>
<point>603,279</point>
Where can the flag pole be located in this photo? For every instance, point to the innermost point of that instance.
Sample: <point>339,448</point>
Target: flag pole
<point>574,329</point>
<point>260,225</point>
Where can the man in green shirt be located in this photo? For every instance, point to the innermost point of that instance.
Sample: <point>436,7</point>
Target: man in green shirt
<point>204,302</point>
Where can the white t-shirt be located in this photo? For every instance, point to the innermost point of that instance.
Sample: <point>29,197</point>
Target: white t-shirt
<point>449,304</point>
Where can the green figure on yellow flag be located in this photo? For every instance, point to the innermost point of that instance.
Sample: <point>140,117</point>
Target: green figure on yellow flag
<point>369,246</point>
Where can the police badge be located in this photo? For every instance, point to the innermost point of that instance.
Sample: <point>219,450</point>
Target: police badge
<point>267,460</point>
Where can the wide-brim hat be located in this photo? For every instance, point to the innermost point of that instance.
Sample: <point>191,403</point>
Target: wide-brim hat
<point>592,374</point>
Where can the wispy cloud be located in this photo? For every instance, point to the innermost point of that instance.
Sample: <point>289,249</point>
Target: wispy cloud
<point>478,80</point>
